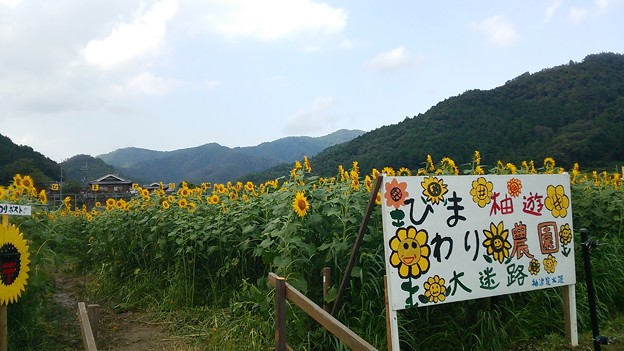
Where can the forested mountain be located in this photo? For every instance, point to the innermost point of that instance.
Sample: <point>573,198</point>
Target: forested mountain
<point>215,163</point>
<point>85,168</point>
<point>24,160</point>
<point>573,113</point>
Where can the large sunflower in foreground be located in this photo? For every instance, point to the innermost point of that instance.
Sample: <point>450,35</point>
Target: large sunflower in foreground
<point>14,260</point>
<point>300,204</point>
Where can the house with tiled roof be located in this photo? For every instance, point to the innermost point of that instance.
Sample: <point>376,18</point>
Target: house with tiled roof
<point>110,184</point>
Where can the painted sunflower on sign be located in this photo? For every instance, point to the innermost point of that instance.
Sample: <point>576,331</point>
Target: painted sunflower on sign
<point>557,201</point>
<point>435,289</point>
<point>410,252</point>
<point>396,193</point>
<point>496,241</point>
<point>434,189</point>
<point>14,260</point>
<point>481,191</point>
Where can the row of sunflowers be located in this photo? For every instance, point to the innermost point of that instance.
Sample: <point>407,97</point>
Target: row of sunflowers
<point>214,244</point>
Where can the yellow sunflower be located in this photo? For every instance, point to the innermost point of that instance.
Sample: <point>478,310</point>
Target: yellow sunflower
<point>43,197</point>
<point>27,182</point>
<point>300,204</point>
<point>565,234</point>
<point>435,289</point>
<point>481,191</point>
<point>496,241</point>
<point>17,180</point>
<point>550,263</point>
<point>368,183</point>
<point>184,192</point>
<point>404,171</point>
<point>557,201</point>
<point>15,260</point>
<point>434,189</point>
<point>214,199</point>
<point>410,252</point>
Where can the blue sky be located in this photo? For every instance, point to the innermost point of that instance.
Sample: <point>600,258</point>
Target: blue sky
<point>89,77</point>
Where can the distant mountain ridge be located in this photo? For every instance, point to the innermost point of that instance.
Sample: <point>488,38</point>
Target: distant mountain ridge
<point>572,113</point>
<point>216,163</point>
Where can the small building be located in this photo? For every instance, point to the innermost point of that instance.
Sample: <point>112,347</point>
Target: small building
<point>110,184</point>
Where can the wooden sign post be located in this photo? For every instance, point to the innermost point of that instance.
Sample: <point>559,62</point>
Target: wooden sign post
<point>455,238</point>
<point>14,260</point>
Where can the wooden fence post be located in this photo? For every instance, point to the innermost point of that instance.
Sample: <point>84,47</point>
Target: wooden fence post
<point>93,311</point>
<point>280,314</point>
<point>85,328</point>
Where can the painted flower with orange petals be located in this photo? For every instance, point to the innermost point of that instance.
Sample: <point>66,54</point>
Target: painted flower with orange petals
<point>396,193</point>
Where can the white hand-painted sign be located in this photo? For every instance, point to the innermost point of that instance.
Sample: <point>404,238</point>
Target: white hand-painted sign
<point>15,210</point>
<point>454,238</point>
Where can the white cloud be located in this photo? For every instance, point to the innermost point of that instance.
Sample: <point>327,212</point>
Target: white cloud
<point>314,119</point>
<point>10,3</point>
<point>128,41</point>
<point>499,30</point>
<point>276,19</point>
<point>146,84</point>
<point>554,6</point>
<point>577,14</point>
<point>390,61</point>
<point>603,5</point>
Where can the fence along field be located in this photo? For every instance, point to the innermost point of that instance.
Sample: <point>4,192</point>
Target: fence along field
<point>210,247</point>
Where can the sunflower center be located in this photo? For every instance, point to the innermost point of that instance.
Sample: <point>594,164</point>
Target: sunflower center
<point>301,204</point>
<point>396,194</point>
<point>9,263</point>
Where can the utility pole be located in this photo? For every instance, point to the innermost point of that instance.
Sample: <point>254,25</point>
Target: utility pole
<point>61,186</point>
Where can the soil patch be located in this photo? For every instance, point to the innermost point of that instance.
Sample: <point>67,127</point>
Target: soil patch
<point>127,331</point>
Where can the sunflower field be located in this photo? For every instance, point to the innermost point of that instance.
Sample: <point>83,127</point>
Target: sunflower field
<point>207,249</point>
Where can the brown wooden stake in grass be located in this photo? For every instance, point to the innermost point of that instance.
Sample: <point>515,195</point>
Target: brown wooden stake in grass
<point>387,301</point>
<point>334,326</point>
<point>280,314</point>
<point>356,246</point>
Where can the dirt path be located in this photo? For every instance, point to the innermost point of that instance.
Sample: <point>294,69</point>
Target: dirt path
<point>128,331</point>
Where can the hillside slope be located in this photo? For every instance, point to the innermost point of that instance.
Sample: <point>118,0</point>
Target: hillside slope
<point>573,113</point>
<point>24,160</point>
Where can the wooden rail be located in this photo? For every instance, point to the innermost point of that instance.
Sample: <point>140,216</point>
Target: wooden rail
<point>88,317</point>
<point>284,291</point>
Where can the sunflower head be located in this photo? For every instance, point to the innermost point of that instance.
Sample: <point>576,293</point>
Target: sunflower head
<point>300,204</point>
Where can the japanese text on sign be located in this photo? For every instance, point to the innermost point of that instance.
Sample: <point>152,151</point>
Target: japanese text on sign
<point>458,238</point>
<point>18,210</point>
